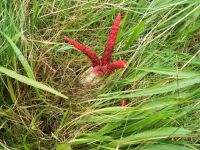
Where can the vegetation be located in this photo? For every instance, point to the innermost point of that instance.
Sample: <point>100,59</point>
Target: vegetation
<point>42,103</point>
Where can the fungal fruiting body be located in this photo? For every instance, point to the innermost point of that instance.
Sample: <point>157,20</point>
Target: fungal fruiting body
<point>123,103</point>
<point>103,66</point>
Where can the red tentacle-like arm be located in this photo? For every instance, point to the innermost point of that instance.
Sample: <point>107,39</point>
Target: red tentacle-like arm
<point>107,69</point>
<point>87,51</point>
<point>111,41</point>
<point>103,66</point>
<point>115,65</point>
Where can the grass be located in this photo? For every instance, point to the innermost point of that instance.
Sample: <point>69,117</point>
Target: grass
<point>42,104</point>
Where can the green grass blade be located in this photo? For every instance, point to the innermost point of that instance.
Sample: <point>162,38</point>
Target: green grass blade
<point>170,72</point>
<point>134,35</point>
<point>20,56</point>
<point>63,146</point>
<point>11,90</point>
<point>30,82</point>
<point>22,59</point>
<point>160,133</point>
<point>161,89</point>
<point>166,147</point>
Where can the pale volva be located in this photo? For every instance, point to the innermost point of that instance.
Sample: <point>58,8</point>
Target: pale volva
<point>89,78</point>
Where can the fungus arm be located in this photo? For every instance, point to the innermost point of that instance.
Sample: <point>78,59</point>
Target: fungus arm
<point>111,41</point>
<point>87,51</point>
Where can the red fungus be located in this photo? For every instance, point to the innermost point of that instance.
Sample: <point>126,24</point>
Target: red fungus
<point>111,41</point>
<point>103,66</point>
<point>87,51</point>
<point>115,65</point>
<point>123,103</point>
